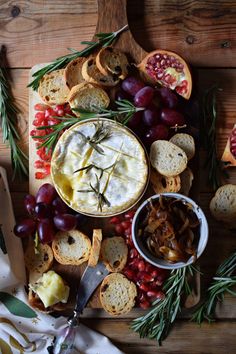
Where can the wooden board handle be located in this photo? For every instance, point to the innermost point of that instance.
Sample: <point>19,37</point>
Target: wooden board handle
<point>112,15</point>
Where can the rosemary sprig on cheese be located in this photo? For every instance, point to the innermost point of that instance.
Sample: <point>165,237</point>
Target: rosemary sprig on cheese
<point>90,166</point>
<point>101,134</point>
<point>103,40</point>
<point>221,284</point>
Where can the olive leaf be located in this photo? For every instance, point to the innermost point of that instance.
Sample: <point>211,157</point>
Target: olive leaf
<point>16,306</point>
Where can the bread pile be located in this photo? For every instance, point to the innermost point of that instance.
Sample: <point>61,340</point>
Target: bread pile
<point>83,82</point>
<point>169,160</point>
<point>117,293</point>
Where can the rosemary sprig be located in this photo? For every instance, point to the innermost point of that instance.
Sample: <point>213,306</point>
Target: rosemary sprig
<point>209,110</point>
<point>222,283</point>
<point>156,324</point>
<point>90,166</point>
<point>8,116</point>
<point>104,40</point>
<point>125,111</point>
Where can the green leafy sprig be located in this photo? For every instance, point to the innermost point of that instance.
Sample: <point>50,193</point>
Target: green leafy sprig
<point>156,324</point>
<point>104,40</point>
<point>90,166</point>
<point>222,283</point>
<point>8,117</point>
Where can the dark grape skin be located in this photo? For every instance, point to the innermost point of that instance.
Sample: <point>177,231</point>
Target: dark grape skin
<point>168,97</point>
<point>159,131</point>
<point>150,116</point>
<point>25,228</point>
<point>132,85</point>
<point>135,121</point>
<point>29,203</point>
<point>65,222</point>
<point>171,117</point>
<point>59,207</point>
<point>144,96</point>
<point>122,95</point>
<point>46,194</point>
<point>46,230</point>
<point>42,211</point>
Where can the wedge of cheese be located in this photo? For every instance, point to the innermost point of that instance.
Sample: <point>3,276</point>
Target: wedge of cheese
<point>101,178</point>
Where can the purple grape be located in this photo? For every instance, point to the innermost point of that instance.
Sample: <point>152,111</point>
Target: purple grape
<point>29,202</point>
<point>25,228</point>
<point>171,117</point>
<point>42,211</point>
<point>59,206</point>
<point>144,97</point>
<point>80,218</point>
<point>135,121</point>
<point>46,194</point>
<point>122,95</point>
<point>46,230</point>
<point>168,98</point>
<point>150,116</point>
<point>157,132</point>
<point>65,222</point>
<point>132,85</point>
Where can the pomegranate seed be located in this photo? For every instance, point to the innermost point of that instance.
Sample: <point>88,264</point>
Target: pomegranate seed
<point>144,304</point>
<point>130,214</point>
<point>153,293</point>
<point>33,132</point>
<point>141,266</point>
<point>119,229</point>
<point>40,116</point>
<point>40,107</point>
<point>145,277</point>
<point>133,253</point>
<point>129,273</point>
<point>50,112</point>
<point>115,220</point>
<point>128,231</point>
<point>125,224</point>
<point>40,175</point>
<point>141,296</point>
<point>148,268</point>
<point>144,287</point>
<point>154,273</point>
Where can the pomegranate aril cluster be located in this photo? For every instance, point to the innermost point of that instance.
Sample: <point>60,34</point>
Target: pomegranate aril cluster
<point>148,278</point>
<point>233,142</point>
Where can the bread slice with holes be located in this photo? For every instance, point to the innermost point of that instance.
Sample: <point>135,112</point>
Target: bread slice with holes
<point>114,252</point>
<point>96,248</point>
<point>223,204</point>
<point>110,60</point>
<point>167,158</point>
<point>163,184</point>
<point>71,247</point>
<point>186,178</point>
<point>117,294</point>
<point>91,73</point>
<point>185,142</point>
<point>53,89</point>
<point>73,72</point>
<point>87,96</point>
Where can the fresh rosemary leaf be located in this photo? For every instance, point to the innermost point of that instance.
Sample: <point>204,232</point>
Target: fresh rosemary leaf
<point>222,283</point>
<point>104,39</point>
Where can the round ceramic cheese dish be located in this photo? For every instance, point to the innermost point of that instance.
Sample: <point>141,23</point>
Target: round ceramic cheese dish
<point>99,168</point>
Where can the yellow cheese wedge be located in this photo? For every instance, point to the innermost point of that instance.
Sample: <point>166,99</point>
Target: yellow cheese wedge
<point>51,289</point>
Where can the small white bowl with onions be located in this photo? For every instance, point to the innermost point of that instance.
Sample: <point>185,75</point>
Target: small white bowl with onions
<point>170,230</point>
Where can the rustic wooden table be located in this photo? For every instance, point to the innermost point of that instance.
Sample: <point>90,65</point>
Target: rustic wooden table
<point>203,32</point>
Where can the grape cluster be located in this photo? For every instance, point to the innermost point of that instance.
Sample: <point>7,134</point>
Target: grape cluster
<point>47,214</point>
<point>160,113</point>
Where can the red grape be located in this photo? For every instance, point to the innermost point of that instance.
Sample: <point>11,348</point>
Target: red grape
<point>132,85</point>
<point>157,132</point>
<point>150,116</point>
<point>144,96</point>
<point>135,120</point>
<point>122,95</point>
<point>46,230</point>
<point>168,98</point>
<point>65,222</point>
<point>171,117</point>
<point>29,202</point>
<point>46,194</point>
<point>80,218</point>
<point>42,211</point>
<point>59,206</point>
<point>25,228</point>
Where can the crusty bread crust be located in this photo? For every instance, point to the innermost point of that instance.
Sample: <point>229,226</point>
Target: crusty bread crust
<point>163,184</point>
<point>185,142</point>
<point>114,252</point>
<point>110,60</point>
<point>96,248</point>
<point>223,204</point>
<point>73,75</point>
<point>186,178</point>
<point>53,89</point>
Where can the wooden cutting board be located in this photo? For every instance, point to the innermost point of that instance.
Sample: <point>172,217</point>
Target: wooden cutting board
<point>111,17</point>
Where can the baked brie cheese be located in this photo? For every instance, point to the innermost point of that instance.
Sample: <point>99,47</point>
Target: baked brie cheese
<point>99,168</point>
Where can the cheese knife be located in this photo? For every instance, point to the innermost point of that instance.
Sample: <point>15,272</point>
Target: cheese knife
<point>90,280</point>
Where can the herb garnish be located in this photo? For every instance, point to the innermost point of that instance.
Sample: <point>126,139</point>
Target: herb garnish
<point>156,324</point>
<point>8,116</point>
<point>104,40</point>
<point>222,283</point>
<point>101,134</point>
<point>90,166</point>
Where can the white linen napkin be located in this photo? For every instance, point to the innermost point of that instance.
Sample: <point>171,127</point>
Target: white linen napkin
<point>22,328</point>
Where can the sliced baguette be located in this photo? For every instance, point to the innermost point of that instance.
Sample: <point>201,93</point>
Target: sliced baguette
<point>96,248</point>
<point>73,74</point>
<point>223,204</point>
<point>53,89</point>
<point>167,158</point>
<point>163,184</point>
<point>91,73</point>
<point>114,252</point>
<point>111,61</point>
<point>117,294</point>
<point>185,142</point>
<point>186,178</point>
<point>87,96</point>
<point>71,247</point>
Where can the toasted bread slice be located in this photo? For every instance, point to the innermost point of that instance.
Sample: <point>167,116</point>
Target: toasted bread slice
<point>186,178</point>
<point>167,158</point>
<point>223,204</point>
<point>91,73</point>
<point>111,61</point>
<point>117,294</point>
<point>163,184</point>
<point>96,248</point>
<point>88,96</point>
<point>53,89</point>
<point>73,74</point>
<point>185,142</point>
<point>114,252</point>
<point>71,247</point>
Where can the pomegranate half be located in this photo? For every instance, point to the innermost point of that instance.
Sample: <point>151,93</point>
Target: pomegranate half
<point>169,70</point>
